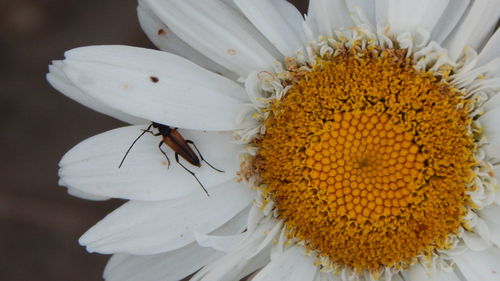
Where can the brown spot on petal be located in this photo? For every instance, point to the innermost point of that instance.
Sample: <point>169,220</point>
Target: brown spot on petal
<point>154,79</point>
<point>231,52</point>
<point>161,31</point>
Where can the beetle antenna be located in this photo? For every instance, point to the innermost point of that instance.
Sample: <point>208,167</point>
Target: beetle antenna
<point>128,150</point>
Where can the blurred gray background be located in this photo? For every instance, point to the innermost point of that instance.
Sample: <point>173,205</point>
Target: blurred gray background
<point>39,223</point>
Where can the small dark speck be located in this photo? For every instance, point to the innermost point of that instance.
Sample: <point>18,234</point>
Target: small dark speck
<point>154,79</point>
<point>161,31</point>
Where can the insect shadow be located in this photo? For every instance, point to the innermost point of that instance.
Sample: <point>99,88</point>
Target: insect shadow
<point>181,147</point>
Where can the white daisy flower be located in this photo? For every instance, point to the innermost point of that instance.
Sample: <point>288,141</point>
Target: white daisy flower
<point>359,142</point>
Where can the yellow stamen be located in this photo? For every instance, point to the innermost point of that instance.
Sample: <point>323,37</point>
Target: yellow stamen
<point>368,159</point>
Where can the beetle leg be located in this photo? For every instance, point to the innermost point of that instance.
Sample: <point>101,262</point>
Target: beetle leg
<point>201,156</point>
<point>192,173</point>
<point>148,130</point>
<point>164,153</point>
<point>151,132</point>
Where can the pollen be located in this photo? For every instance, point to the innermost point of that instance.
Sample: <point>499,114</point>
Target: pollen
<point>368,160</point>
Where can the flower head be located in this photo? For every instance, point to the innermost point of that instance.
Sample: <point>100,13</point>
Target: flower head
<point>357,143</point>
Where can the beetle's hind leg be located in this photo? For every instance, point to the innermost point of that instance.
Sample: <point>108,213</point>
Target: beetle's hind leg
<point>164,153</point>
<point>201,156</point>
<point>191,172</point>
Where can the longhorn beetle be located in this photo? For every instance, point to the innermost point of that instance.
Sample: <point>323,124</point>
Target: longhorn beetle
<point>173,139</point>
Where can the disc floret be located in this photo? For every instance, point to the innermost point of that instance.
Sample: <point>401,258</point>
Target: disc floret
<point>367,159</point>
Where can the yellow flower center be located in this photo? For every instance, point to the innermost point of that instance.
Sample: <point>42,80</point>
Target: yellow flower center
<point>368,160</point>
<point>366,164</point>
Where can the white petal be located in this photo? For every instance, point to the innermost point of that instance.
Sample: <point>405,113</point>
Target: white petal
<point>236,264</point>
<point>366,6</point>
<point>166,40</point>
<point>490,123</point>
<point>256,262</point>
<point>309,25</point>
<point>232,5</point>
<point>256,215</point>
<point>92,165</point>
<point>80,194</point>
<point>478,240</point>
<point>220,243</point>
<point>449,19</point>
<point>492,103</point>
<point>418,273</point>
<point>252,233</point>
<point>493,148</point>
<point>480,266</point>
<point>171,266</point>
<point>231,236</point>
<point>481,229</point>
<point>278,20</point>
<point>216,31</point>
<point>232,266</point>
<point>474,28</point>
<point>351,275</point>
<point>271,234</point>
<point>236,224</point>
<point>495,230</point>
<point>496,169</point>
<point>183,94</point>
<point>293,265</point>
<point>397,277</point>
<point>408,15</point>
<point>143,228</point>
<point>329,15</point>
<point>491,215</point>
<point>491,50</point>
<point>243,259</point>
<point>60,81</point>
